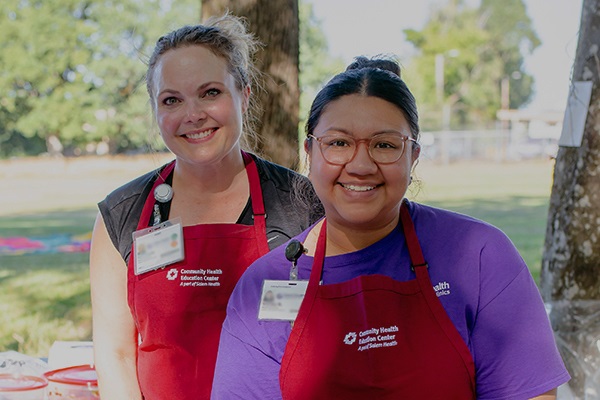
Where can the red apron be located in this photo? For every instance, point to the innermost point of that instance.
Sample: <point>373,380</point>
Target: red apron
<point>375,338</point>
<point>179,309</point>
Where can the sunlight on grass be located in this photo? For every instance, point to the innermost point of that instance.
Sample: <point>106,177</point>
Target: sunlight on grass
<point>43,298</point>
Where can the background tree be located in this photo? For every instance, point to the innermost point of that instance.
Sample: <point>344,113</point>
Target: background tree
<point>276,24</point>
<point>71,70</point>
<point>572,249</point>
<point>464,53</point>
<point>47,97</point>
<point>570,278</point>
<point>511,38</point>
<point>71,74</point>
<point>316,65</point>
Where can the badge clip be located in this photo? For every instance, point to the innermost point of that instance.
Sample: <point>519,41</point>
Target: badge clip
<point>293,251</point>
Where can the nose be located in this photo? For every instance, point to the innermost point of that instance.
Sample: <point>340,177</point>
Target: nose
<point>361,163</point>
<point>194,112</point>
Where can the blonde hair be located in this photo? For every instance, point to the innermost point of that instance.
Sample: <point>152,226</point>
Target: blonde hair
<point>227,37</point>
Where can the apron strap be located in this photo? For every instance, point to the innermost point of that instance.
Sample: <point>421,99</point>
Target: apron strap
<point>412,241</point>
<point>258,205</point>
<point>149,204</point>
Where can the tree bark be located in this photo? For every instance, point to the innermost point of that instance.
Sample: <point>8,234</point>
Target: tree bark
<point>571,259</point>
<point>570,276</point>
<point>276,25</point>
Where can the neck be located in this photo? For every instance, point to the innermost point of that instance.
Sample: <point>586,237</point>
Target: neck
<point>213,177</point>
<point>211,193</point>
<point>342,239</point>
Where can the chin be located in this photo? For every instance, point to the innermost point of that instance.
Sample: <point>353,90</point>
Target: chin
<point>364,222</point>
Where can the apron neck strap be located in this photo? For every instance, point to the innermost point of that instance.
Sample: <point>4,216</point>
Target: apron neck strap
<point>258,206</point>
<point>412,241</point>
<point>410,234</point>
<point>317,267</point>
<point>149,204</point>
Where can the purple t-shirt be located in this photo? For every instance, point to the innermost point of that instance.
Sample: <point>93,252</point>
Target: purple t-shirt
<point>480,278</point>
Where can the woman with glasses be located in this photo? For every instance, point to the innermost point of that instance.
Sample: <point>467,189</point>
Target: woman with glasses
<point>384,298</point>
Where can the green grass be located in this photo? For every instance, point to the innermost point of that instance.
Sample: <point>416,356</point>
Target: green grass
<point>45,297</point>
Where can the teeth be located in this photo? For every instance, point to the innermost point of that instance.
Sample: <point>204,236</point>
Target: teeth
<point>355,188</point>
<point>200,135</point>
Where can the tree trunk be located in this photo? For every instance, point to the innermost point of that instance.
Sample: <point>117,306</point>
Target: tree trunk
<point>276,24</point>
<point>570,276</point>
<point>54,146</point>
<point>571,260</point>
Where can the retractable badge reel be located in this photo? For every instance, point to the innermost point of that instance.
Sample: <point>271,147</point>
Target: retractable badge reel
<point>163,193</point>
<point>293,251</point>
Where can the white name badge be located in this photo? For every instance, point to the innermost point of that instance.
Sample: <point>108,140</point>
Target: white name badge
<point>158,246</point>
<point>281,300</point>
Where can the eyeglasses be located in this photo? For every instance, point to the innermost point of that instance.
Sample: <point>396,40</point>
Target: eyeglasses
<point>384,148</point>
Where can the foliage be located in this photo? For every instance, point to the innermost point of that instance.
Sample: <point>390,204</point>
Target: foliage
<point>479,47</point>
<point>316,66</point>
<point>72,70</point>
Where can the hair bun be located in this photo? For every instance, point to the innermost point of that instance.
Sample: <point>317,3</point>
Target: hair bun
<point>379,62</point>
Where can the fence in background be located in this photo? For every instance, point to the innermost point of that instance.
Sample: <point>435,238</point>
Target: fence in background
<point>489,145</point>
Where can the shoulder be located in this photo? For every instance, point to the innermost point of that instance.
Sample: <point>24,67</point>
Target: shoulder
<point>132,189</point>
<point>430,214</point>
<point>273,265</point>
<point>122,208</point>
<point>243,305</point>
<point>432,221</point>
<point>466,251</point>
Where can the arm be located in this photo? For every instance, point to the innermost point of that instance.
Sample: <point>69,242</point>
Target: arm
<point>250,350</point>
<point>549,395</point>
<point>244,371</point>
<point>512,340</point>
<point>114,331</point>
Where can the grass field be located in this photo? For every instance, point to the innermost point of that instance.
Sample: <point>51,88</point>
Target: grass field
<point>45,297</point>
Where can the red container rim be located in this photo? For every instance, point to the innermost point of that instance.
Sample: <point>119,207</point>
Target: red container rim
<point>24,383</point>
<point>82,375</point>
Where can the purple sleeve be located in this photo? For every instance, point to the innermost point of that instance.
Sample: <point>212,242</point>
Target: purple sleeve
<point>512,341</point>
<point>244,372</point>
<point>250,350</point>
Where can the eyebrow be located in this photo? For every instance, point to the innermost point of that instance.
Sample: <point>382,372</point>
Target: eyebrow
<point>199,88</point>
<point>381,132</point>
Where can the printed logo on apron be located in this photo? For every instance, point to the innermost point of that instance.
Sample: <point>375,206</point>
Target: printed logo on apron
<point>179,309</point>
<point>376,338</point>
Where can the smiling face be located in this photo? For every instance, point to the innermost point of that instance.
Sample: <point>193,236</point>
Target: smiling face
<point>198,107</point>
<point>361,194</point>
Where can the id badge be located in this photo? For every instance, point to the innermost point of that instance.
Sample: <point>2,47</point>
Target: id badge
<point>281,300</point>
<point>158,246</point>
